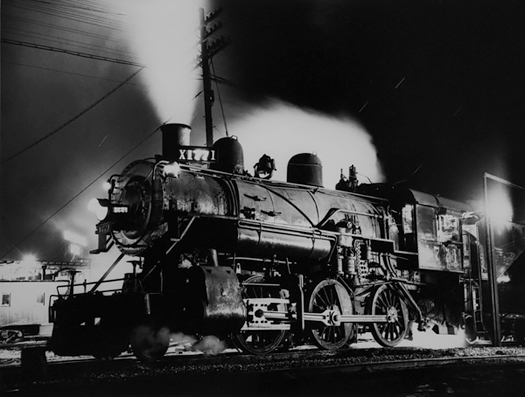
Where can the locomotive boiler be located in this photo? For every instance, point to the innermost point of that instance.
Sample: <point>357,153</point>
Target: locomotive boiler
<point>263,263</point>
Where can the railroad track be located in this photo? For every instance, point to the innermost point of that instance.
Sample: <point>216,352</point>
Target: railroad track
<point>233,368</point>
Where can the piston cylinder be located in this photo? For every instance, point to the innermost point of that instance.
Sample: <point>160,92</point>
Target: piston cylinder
<point>216,299</point>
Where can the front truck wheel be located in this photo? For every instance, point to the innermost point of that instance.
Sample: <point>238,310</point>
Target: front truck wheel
<point>149,343</point>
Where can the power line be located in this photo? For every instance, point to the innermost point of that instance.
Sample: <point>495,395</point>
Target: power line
<point>82,15</point>
<point>64,72</point>
<point>80,32</point>
<point>81,5</point>
<point>72,119</point>
<point>81,191</point>
<point>76,53</point>
<point>60,40</point>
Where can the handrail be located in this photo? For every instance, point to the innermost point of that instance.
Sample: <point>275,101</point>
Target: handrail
<point>101,280</point>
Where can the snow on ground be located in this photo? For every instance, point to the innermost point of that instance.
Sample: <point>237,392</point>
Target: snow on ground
<point>427,340</point>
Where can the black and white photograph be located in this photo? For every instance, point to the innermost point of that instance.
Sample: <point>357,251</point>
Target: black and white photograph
<point>262,198</point>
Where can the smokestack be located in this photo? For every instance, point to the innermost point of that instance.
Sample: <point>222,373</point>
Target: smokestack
<point>173,137</point>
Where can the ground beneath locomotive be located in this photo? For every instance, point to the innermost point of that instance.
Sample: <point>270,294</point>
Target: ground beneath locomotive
<point>463,379</point>
<point>304,372</point>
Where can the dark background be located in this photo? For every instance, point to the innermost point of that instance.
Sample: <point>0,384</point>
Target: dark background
<point>437,86</point>
<point>443,81</point>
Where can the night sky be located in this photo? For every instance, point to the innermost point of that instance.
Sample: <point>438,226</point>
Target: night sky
<point>438,88</point>
<point>438,84</point>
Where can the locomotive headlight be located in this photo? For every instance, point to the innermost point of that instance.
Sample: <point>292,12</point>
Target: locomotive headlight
<point>100,210</point>
<point>172,169</point>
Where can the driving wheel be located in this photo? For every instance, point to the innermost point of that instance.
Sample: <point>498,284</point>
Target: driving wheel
<point>330,295</point>
<point>259,342</point>
<point>386,301</point>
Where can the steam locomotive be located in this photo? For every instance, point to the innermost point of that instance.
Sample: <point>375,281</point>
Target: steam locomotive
<point>268,264</point>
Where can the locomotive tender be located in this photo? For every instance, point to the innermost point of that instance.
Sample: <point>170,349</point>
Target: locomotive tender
<point>264,263</point>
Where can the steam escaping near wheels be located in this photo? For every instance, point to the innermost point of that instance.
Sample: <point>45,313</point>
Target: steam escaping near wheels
<point>209,344</point>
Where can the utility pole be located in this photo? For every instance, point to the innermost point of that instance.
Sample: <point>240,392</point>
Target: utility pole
<point>208,49</point>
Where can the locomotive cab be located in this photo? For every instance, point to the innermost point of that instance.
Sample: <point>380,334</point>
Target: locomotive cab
<point>439,247</point>
<point>429,226</point>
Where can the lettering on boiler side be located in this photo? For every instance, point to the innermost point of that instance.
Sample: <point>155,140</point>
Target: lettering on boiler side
<point>197,154</point>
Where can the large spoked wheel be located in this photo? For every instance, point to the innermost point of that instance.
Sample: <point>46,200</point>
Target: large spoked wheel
<point>330,295</point>
<point>149,343</point>
<point>386,301</point>
<point>258,342</point>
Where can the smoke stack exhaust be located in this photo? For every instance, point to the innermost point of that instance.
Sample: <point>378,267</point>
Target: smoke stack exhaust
<point>173,137</point>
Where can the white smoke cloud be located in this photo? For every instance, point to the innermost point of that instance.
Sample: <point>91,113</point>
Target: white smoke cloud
<point>282,130</point>
<point>165,38</point>
<point>209,345</point>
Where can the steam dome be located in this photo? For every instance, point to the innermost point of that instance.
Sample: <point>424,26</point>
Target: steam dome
<point>305,169</point>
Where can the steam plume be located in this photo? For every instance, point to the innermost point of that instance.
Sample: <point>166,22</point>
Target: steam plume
<point>166,38</point>
<point>282,130</point>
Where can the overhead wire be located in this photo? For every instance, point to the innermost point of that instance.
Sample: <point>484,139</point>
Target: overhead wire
<point>59,24</point>
<point>39,6</point>
<point>100,22</point>
<point>107,20</point>
<point>60,11</point>
<point>72,119</point>
<point>79,193</point>
<point>77,53</point>
<point>65,72</point>
<point>62,41</point>
<point>82,5</point>
<point>80,32</point>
